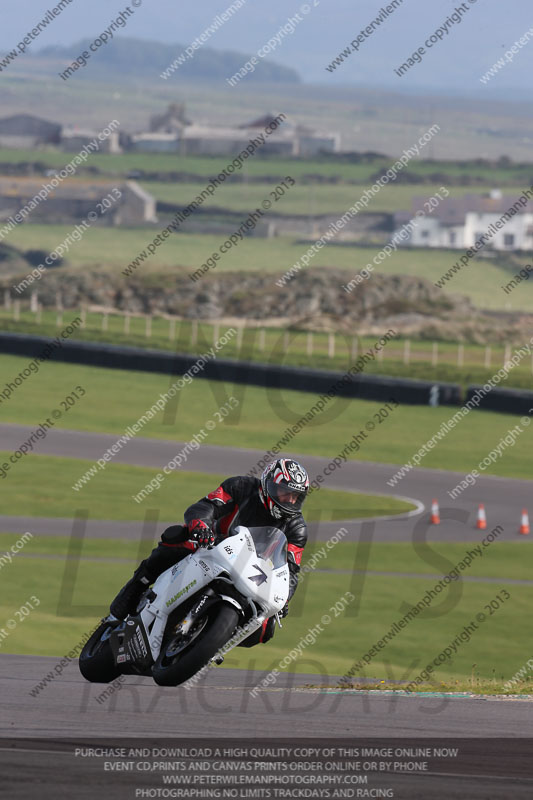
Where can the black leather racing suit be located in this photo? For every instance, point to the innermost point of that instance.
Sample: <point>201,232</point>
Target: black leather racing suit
<point>235,502</point>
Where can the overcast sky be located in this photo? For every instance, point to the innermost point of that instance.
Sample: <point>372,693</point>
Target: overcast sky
<point>488,29</point>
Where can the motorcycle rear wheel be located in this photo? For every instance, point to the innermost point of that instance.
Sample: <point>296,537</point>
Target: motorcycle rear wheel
<point>179,659</point>
<point>96,659</point>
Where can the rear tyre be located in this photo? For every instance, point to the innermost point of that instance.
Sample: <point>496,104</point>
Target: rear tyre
<point>182,656</point>
<point>96,659</point>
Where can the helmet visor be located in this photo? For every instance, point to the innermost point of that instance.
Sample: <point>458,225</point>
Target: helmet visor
<point>290,500</point>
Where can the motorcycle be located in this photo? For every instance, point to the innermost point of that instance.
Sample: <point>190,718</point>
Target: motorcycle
<point>211,600</point>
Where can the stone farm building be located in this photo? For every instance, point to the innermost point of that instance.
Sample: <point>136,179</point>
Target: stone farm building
<point>72,201</point>
<point>74,139</point>
<point>172,132</point>
<point>25,131</point>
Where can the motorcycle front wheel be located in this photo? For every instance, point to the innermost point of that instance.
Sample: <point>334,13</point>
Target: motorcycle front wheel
<point>96,659</point>
<point>183,655</point>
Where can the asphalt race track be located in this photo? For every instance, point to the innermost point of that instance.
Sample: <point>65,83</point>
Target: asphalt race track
<point>503,497</point>
<point>222,709</point>
<point>221,705</point>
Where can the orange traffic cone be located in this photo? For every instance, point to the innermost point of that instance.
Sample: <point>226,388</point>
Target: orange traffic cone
<point>481,523</point>
<point>435,514</point>
<point>524,524</point>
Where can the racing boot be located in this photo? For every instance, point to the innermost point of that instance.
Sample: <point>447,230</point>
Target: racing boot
<point>127,599</point>
<point>160,559</point>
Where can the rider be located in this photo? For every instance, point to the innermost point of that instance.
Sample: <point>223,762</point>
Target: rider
<point>274,500</point>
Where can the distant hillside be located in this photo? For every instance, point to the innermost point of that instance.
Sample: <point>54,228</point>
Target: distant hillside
<point>139,57</point>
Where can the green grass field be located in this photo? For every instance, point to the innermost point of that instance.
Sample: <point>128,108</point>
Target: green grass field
<point>116,399</point>
<point>42,486</point>
<point>113,249</point>
<point>496,650</point>
<point>304,199</point>
<point>305,169</point>
<point>499,559</point>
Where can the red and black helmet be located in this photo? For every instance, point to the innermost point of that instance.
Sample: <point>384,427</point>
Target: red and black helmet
<point>284,487</point>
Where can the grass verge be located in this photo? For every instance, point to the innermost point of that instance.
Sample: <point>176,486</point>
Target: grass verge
<point>112,249</point>
<point>116,398</point>
<point>180,339</point>
<point>41,486</point>
<point>73,595</point>
<point>475,686</point>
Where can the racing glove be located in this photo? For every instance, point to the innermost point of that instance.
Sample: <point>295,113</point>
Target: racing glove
<point>284,611</point>
<point>201,533</point>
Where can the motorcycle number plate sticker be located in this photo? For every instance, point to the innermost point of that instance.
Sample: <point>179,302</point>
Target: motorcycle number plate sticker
<point>260,577</point>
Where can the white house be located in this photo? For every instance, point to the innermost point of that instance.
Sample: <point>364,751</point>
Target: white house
<point>458,222</point>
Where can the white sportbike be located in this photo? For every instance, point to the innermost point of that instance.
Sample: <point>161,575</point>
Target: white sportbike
<point>209,602</point>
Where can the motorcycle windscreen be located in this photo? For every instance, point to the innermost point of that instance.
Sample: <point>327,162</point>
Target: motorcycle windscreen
<point>270,544</point>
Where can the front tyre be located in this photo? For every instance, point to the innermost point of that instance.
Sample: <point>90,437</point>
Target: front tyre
<point>182,656</point>
<point>96,659</point>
